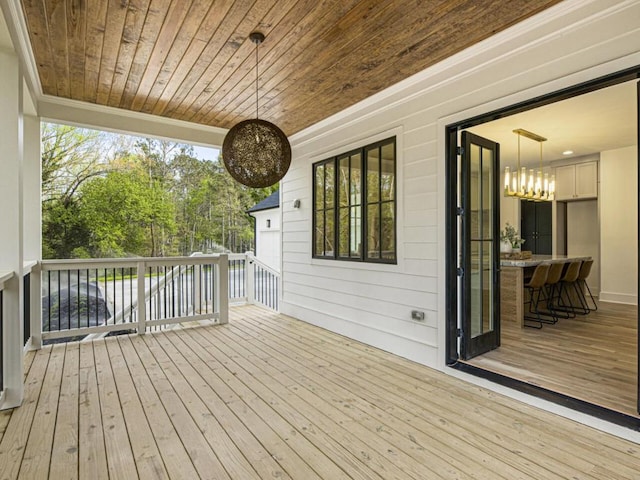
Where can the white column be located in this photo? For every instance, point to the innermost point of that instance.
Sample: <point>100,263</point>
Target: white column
<point>32,173</point>
<point>32,221</point>
<point>11,231</point>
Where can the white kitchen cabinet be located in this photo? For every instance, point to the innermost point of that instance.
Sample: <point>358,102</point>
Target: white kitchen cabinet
<point>577,181</point>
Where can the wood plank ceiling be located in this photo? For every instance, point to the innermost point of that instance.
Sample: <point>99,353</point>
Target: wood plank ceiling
<point>192,59</point>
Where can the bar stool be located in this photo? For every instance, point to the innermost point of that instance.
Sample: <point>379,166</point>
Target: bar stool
<point>552,286</point>
<point>581,284</point>
<point>568,280</point>
<point>536,288</point>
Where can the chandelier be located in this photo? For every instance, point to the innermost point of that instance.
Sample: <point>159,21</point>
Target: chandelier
<point>540,188</point>
<point>256,152</point>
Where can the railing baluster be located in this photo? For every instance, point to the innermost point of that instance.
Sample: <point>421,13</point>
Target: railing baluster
<point>142,311</point>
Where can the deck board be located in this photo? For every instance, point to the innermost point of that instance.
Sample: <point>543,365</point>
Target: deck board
<point>65,441</point>
<point>267,396</point>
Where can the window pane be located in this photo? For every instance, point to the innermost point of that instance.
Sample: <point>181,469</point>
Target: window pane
<point>319,220</point>
<point>388,172</point>
<point>356,181</point>
<point>329,221</point>
<point>356,229</point>
<point>329,184</point>
<point>319,186</point>
<point>343,250</point>
<point>373,229</point>
<point>343,182</point>
<point>373,176</point>
<point>388,241</point>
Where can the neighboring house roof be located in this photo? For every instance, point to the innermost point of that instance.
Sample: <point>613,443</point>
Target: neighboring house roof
<point>272,201</point>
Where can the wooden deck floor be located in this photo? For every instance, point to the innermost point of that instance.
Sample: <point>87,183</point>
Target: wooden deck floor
<point>592,357</point>
<point>269,397</point>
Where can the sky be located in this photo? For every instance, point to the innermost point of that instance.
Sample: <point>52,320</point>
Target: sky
<point>206,153</point>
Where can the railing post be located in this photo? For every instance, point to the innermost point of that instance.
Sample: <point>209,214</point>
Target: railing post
<point>197,288</point>
<point>36,307</point>
<point>222,288</point>
<point>12,350</point>
<point>249,275</point>
<point>142,301</point>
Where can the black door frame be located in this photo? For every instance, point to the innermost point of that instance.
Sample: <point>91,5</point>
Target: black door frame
<point>451,237</point>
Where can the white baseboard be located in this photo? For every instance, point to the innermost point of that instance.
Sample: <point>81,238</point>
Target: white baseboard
<point>613,297</point>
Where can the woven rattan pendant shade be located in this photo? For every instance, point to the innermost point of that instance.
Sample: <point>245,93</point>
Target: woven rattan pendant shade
<point>256,152</point>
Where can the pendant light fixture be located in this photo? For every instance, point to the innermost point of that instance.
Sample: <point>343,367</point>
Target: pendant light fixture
<point>256,152</point>
<point>540,188</point>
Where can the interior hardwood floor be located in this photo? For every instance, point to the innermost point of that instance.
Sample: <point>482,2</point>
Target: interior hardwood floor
<point>268,396</point>
<point>591,357</point>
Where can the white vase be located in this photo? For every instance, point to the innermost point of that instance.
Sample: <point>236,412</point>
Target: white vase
<point>516,249</point>
<point>505,247</point>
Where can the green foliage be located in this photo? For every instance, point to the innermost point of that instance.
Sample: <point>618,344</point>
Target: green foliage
<point>107,195</point>
<point>127,214</point>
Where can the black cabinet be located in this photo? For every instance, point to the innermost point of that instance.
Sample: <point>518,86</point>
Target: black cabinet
<point>536,226</point>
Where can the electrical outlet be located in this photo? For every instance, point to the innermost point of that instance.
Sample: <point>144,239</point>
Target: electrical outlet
<point>417,315</point>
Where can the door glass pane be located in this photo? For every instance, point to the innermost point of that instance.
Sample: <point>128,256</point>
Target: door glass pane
<point>482,218</point>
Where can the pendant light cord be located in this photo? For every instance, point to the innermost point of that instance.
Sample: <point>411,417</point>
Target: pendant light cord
<point>257,59</point>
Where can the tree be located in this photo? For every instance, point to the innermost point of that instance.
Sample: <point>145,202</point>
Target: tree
<point>70,157</point>
<point>126,214</point>
<point>106,194</point>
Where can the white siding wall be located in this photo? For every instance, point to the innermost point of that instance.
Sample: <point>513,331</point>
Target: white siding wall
<point>573,42</point>
<point>268,237</point>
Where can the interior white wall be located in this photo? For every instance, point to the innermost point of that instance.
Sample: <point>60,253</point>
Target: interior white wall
<point>509,212</point>
<point>619,225</point>
<point>583,236</point>
<point>372,303</point>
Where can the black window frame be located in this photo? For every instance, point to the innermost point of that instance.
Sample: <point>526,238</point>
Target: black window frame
<point>363,205</point>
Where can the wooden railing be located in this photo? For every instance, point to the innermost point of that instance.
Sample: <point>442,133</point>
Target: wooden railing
<point>99,296</point>
<point>84,297</point>
<point>263,284</point>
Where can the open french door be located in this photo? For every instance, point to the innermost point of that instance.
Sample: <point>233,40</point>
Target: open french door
<point>479,246</point>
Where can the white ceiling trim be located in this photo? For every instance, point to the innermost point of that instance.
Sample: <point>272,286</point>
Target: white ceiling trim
<point>89,115</point>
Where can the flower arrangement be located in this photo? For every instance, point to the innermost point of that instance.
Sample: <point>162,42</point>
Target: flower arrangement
<point>510,235</point>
